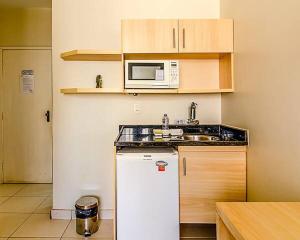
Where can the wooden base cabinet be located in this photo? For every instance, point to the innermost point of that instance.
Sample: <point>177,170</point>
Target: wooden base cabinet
<point>209,175</point>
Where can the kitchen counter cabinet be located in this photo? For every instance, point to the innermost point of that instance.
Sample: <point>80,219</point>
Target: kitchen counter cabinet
<point>257,221</point>
<point>209,175</point>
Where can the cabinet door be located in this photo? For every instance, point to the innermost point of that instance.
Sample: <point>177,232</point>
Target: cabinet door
<point>150,36</point>
<point>209,175</point>
<point>206,36</point>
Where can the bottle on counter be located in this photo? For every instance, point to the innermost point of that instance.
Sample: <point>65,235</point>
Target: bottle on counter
<point>165,122</point>
<point>165,125</point>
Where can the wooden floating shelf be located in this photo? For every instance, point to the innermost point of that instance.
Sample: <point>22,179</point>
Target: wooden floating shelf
<point>157,56</point>
<point>91,55</point>
<point>91,90</point>
<point>140,91</point>
<point>98,55</point>
<point>151,91</point>
<point>194,91</point>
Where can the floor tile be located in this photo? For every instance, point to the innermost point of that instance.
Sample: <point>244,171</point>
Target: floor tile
<point>36,190</point>
<point>86,238</point>
<point>7,190</point>
<point>40,225</point>
<point>105,230</point>
<point>34,238</point>
<point>2,199</point>
<point>21,204</point>
<point>9,222</point>
<point>45,206</point>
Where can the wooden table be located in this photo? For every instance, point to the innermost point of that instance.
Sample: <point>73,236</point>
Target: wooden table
<point>258,221</point>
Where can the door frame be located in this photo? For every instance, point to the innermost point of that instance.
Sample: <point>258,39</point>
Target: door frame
<point>2,104</point>
<point>1,120</point>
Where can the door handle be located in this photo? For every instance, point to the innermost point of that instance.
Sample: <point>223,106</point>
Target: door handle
<point>47,115</point>
<point>174,38</point>
<point>183,36</point>
<point>184,166</point>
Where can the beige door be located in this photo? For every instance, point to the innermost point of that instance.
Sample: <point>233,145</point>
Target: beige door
<point>27,137</point>
<point>205,36</point>
<point>150,36</point>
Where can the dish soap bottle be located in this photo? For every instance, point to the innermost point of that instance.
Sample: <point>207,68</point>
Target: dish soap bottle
<point>165,122</point>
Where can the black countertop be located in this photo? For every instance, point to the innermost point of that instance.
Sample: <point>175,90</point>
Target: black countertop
<point>142,136</point>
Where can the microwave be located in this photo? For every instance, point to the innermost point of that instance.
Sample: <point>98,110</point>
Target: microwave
<point>151,74</point>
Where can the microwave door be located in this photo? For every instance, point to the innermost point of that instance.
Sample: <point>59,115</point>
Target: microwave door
<point>147,73</point>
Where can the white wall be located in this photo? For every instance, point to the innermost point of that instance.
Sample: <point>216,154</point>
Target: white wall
<point>86,126</point>
<point>267,37</point>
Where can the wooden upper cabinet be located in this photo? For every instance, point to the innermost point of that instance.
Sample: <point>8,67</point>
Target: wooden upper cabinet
<point>209,175</point>
<point>150,36</point>
<point>206,36</point>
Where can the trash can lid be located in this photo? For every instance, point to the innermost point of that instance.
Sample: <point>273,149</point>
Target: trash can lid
<point>85,203</point>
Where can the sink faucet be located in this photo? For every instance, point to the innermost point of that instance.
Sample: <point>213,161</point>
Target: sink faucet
<point>192,118</point>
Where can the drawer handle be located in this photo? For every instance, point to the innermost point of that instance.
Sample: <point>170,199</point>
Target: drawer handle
<point>184,166</point>
<point>174,39</point>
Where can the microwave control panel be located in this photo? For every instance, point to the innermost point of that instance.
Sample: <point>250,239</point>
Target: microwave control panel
<point>174,73</point>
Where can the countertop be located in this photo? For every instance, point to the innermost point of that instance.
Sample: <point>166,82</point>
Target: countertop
<point>257,221</point>
<point>142,136</point>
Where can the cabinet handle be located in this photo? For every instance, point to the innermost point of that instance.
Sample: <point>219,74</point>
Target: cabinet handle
<point>183,35</point>
<point>184,166</point>
<point>174,39</point>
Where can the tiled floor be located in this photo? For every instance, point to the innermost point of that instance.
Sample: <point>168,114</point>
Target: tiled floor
<point>24,214</point>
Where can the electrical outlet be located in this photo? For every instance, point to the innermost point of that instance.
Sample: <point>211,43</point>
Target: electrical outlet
<point>137,108</point>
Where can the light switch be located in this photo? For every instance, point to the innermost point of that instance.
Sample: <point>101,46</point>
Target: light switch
<point>137,108</point>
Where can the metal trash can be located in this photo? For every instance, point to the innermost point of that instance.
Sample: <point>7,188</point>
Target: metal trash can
<point>87,217</point>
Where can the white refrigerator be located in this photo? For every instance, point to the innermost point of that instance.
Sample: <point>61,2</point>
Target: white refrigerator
<point>147,194</point>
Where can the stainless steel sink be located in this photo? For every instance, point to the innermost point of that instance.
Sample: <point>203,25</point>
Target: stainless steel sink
<point>195,137</point>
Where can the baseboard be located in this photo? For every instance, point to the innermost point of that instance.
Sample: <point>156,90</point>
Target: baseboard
<point>61,214</point>
<point>70,214</point>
